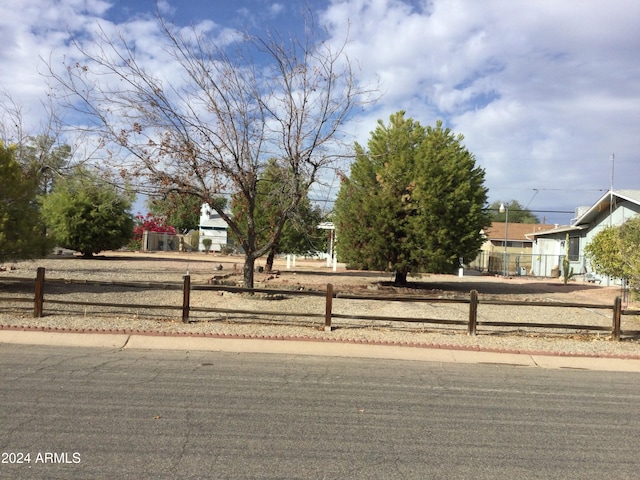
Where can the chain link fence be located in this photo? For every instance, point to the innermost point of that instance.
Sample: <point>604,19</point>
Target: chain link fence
<point>548,266</point>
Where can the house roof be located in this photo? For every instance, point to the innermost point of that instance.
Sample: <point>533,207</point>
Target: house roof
<point>603,204</point>
<point>583,221</point>
<point>555,229</point>
<point>216,222</point>
<point>210,218</point>
<point>514,231</point>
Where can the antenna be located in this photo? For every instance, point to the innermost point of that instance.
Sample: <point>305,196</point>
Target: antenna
<point>613,158</point>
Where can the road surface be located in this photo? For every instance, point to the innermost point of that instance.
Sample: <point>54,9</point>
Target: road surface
<point>111,413</point>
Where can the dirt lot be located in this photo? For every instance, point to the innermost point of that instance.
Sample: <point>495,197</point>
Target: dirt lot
<point>306,274</point>
<point>302,316</point>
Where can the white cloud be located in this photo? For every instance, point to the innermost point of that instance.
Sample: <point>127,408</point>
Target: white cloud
<point>275,9</point>
<point>32,32</point>
<point>543,91</point>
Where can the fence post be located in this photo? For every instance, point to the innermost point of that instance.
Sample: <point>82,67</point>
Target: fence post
<point>329,305</point>
<point>39,296</point>
<point>473,312</point>
<point>617,312</point>
<point>186,295</point>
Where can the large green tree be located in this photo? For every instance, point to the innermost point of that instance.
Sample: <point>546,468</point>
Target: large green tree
<point>21,227</point>
<point>88,215</point>
<point>517,213</point>
<point>414,201</point>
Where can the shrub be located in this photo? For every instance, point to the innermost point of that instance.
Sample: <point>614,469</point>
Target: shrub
<point>194,241</point>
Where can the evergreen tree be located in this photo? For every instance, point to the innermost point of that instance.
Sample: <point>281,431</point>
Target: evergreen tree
<point>88,215</point>
<point>452,201</point>
<point>415,201</point>
<point>21,227</point>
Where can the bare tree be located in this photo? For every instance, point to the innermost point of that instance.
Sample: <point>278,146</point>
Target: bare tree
<point>40,152</point>
<point>232,103</point>
<point>12,129</point>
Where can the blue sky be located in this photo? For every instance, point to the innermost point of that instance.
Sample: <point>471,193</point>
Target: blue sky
<point>544,91</point>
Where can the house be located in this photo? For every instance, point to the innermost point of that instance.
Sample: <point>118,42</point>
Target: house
<point>549,247</point>
<point>516,257</point>
<point>212,226</point>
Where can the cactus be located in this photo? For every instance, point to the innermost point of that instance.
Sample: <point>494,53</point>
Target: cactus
<point>567,269</point>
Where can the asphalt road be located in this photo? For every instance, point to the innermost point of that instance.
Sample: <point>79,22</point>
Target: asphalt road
<point>103,413</point>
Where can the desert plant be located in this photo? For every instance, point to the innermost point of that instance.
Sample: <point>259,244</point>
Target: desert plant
<point>194,240</point>
<point>206,242</point>
<point>567,269</point>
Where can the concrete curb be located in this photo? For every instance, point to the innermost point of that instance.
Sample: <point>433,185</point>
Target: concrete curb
<point>63,339</point>
<point>316,347</point>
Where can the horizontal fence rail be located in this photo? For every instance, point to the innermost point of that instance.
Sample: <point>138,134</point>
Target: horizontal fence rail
<point>330,294</point>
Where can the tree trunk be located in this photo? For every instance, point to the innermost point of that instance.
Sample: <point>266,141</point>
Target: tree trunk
<point>401,278</point>
<point>249,265</point>
<point>269,265</point>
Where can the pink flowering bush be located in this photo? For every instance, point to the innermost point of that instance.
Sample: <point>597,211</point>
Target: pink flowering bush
<point>149,223</point>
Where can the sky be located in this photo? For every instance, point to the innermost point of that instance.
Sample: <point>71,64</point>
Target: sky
<point>546,93</point>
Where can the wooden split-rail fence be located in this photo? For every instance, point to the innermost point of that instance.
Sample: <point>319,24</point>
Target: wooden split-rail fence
<point>471,324</point>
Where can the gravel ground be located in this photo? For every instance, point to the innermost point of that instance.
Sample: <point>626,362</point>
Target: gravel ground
<point>310,275</point>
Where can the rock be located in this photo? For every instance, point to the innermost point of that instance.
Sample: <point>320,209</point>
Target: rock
<point>217,280</point>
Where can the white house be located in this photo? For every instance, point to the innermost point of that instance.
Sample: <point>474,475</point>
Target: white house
<point>613,209</point>
<point>213,227</point>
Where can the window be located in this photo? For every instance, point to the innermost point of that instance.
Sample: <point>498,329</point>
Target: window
<point>219,229</point>
<point>514,244</point>
<point>574,249</point>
